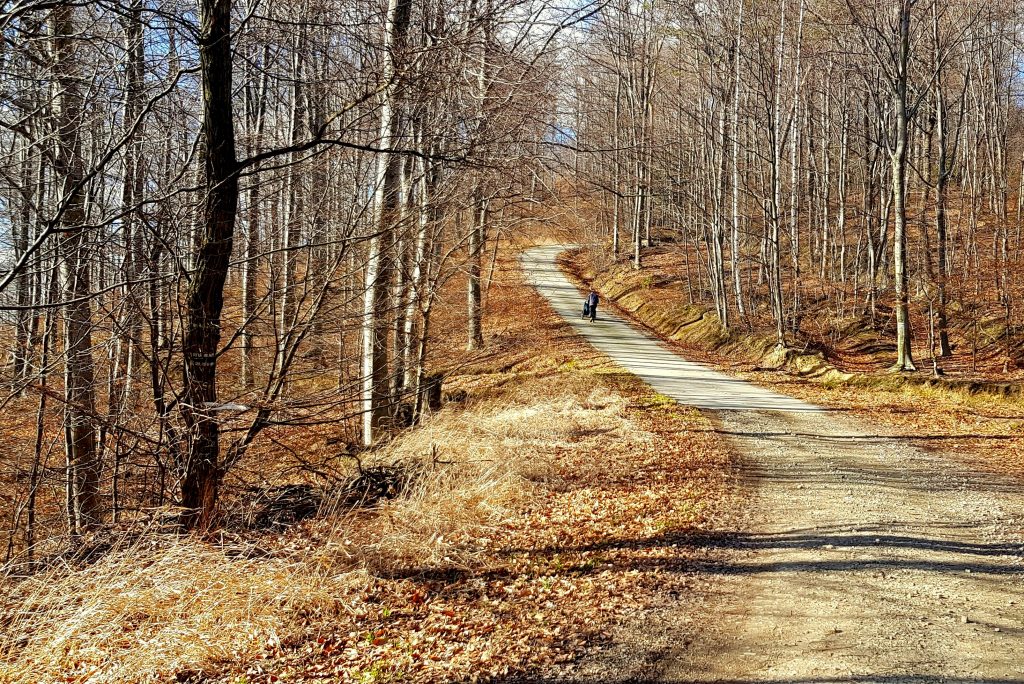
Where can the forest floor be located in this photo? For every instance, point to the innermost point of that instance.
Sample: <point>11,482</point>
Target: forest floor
<point>861,557</point>
<point>502,561</point>
<point>568,522</point>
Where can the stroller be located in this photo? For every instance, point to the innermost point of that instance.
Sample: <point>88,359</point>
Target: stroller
<point>586,309</point>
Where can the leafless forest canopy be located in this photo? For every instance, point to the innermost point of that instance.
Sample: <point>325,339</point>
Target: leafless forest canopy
<point>234,223</point>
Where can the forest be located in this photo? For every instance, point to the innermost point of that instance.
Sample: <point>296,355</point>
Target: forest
<point>241,215</point>
<point>807,153</point>
<point>246,245</point>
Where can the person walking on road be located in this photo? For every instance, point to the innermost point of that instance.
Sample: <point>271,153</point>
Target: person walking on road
<point>592,300</point>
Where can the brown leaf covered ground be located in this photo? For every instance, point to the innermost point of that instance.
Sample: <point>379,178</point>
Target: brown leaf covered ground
<point>546,511</point>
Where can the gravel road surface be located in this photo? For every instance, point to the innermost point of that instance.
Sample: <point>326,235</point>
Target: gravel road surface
<point>861,558</point>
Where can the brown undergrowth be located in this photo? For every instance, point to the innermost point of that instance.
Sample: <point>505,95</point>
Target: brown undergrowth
<point>552,502</point>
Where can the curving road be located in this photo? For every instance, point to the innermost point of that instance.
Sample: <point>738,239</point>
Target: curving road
<point>643,354</point>
<point>864,559</point>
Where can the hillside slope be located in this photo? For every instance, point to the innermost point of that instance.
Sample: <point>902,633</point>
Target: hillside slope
<point>495,562</point>
<point>977,418</point>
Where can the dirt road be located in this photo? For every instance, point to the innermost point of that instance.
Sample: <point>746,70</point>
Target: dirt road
<point>863,559</point>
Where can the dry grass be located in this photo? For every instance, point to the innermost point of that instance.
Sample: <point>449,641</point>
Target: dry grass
<point>477,471</point>
<point>148,612</point>
<point>164,606</point>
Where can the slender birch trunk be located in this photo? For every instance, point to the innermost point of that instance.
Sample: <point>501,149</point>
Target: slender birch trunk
<point>375,376</point>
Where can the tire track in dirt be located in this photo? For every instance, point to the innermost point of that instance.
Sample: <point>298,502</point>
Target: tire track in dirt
<point>863,559</point>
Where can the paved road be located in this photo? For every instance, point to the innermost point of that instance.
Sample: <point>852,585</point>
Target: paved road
<point>863,558</point>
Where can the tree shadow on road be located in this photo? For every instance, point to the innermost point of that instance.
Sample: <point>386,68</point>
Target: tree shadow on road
<point>705,552</point>
<point>850,679</point>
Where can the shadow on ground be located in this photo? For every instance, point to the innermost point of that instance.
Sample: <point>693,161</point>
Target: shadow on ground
<point>851,679</point>
<point>682,552</point>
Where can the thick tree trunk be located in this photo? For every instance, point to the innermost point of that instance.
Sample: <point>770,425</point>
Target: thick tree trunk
<point>255,120</point>
<point>719,155</point>
<point>200,471</point>
<point>794,167</point>
<point>941,182</point>
<point>735,246</point>
<point>775,202</point>
<point>83,462</point>
<point>898,152</point>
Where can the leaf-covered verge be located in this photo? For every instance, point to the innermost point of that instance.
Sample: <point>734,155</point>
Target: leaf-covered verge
<point>972,414</point>
<point>554,502</point>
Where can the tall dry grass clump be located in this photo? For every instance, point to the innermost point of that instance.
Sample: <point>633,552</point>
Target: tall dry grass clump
<point>164,606</point>
<point>148,612</point>
<point>477,470</point>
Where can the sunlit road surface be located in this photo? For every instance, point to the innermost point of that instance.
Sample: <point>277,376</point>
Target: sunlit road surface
<point>862,558</point>
<point>644,355</point>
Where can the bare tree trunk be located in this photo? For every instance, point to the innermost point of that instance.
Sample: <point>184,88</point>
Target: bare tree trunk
<point>21,229</point>
<point>293,210</point>
<point>775,203</point>
<point>83,464</point>
<point>841,220</point>
<point>375,376</point>
<point>794,175</point>
<point>420,269</point>
<point>898,152</point>
<point>477,237</point>
<point>132,190</point>
<point>735,251</point>
<point>722,289</point>
<point>255,121</point>
<point>200,471</point>
<point>941,182</point>
<point>616,167</point>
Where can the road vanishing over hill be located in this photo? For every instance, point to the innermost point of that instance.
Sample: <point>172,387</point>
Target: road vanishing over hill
<point>860,559</point>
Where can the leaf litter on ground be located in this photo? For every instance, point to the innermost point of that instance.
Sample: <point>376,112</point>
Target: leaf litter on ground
<point>555,502</point>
